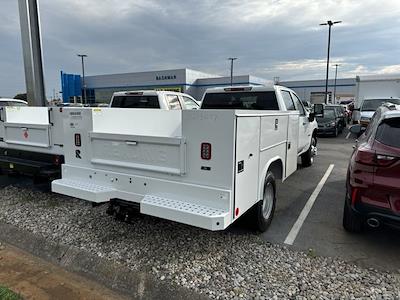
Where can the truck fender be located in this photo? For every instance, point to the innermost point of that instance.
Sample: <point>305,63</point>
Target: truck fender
<point>277,164</point>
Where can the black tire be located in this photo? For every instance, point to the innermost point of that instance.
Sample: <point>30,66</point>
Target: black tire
<point>351,221</point>
<point>307,158</point>
<point>336,132</point>
<point>262,214</point>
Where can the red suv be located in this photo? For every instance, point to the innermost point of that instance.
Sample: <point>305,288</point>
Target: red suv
<point>373,176</point>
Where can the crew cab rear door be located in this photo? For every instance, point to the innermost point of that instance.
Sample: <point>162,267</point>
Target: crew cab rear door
<point>303,122</point>
<point>304,125</point>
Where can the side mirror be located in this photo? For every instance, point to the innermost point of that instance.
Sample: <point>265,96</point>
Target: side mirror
<point>318,110</point>
<point>357,129</point>
<point>311,117</point>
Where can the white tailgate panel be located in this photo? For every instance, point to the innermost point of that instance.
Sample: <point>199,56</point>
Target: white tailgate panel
<point>159,154</point>
<point>247,162</point>
<point>27,126</point>
<point>27,135</point>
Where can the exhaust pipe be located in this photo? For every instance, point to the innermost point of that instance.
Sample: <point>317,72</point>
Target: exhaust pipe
<point>374,223</point>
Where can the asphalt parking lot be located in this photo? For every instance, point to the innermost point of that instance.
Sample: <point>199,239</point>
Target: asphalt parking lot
<point>321,233</point>
<point>322,229</point>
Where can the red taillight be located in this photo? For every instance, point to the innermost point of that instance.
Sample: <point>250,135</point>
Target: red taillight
<point>206,151</point>
<point>354,194</point>
<point>384,160</point>
<point>371,158</point>
<point>78,142</point>
<point>365,156</point>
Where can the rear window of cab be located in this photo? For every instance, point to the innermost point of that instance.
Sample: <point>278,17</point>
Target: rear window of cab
<point>388,132</point>
<point>139,101</point>
<point>241,100</point>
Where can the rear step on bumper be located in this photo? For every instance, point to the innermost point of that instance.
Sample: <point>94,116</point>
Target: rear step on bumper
<point>184,212</point>
<point>79,189</point>
<point>175,210</point>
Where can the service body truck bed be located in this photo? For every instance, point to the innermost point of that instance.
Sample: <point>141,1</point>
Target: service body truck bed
<point>31,140</point>
<point>204,168</point>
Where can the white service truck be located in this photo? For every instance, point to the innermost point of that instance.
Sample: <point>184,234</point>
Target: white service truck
<point>376,90</point>
<point>204,168</point>
<point>31,138</point>
<point>31,141</point>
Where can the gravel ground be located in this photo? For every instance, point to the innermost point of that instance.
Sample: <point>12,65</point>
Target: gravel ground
<point>222,265</point>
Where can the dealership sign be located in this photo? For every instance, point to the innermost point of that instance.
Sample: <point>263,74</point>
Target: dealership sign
<point>165,77</point>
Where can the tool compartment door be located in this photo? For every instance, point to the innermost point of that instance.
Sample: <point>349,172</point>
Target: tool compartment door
<point>27,126</point>
<point>246,163</point>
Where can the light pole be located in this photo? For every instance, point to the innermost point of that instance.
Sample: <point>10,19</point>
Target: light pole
<point>334,89</point>
<point>232,59</point>
<point>330,24</point>
<point>82,56</point>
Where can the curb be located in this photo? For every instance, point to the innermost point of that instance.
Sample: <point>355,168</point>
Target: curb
<point>132,284</point>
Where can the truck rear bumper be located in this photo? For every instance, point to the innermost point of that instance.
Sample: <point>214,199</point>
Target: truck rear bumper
<point>30,167</point>
<point>201,206</point>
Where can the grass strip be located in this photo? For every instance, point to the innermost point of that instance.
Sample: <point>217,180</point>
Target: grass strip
<point>7,294</point>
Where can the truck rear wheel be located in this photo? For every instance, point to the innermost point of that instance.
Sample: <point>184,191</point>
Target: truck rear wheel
<point>264,209</point>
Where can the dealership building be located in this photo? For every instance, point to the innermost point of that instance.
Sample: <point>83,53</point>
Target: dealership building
<point>314,90</point>
<point>99,88</point>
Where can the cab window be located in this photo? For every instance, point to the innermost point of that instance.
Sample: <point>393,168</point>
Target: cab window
<point>173,102</point>
<point>288,100</point>
<point>190,103</point>
<point>135,101</point>
<point>298,105</point>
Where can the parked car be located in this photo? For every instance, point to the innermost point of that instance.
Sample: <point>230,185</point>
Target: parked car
<point>373,178</point>
<point>330,122</point>
<point>153,99</point>
<point>341,113</point>
<point>12,102</point>
<point>369,106</point>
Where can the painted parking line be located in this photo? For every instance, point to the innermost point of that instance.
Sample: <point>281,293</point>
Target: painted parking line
<point>348,135</point>
<point>291,237</point>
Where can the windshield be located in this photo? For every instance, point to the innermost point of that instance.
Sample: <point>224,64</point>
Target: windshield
<point>136,102</point>
<point>329,114</point>
<point>241,100</point>
<point>373,104</point>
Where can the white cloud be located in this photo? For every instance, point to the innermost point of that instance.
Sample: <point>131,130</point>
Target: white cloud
<point>270,37</point>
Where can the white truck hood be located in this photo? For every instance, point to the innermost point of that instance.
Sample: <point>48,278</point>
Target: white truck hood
<point>367,114</point>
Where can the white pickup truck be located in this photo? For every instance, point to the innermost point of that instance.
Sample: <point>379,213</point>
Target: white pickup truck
<point>205,168</point>
<point>31,138</point>
<point>269,98</point>
<point>153,99</point>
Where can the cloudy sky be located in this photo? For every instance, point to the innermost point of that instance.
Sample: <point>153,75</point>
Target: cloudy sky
<point>270,37</point>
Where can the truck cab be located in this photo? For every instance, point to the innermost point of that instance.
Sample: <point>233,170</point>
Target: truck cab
<point>274,97</point>
<point>154,100</point>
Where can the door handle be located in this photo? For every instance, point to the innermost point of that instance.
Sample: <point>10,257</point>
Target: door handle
<point>131,143</point>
